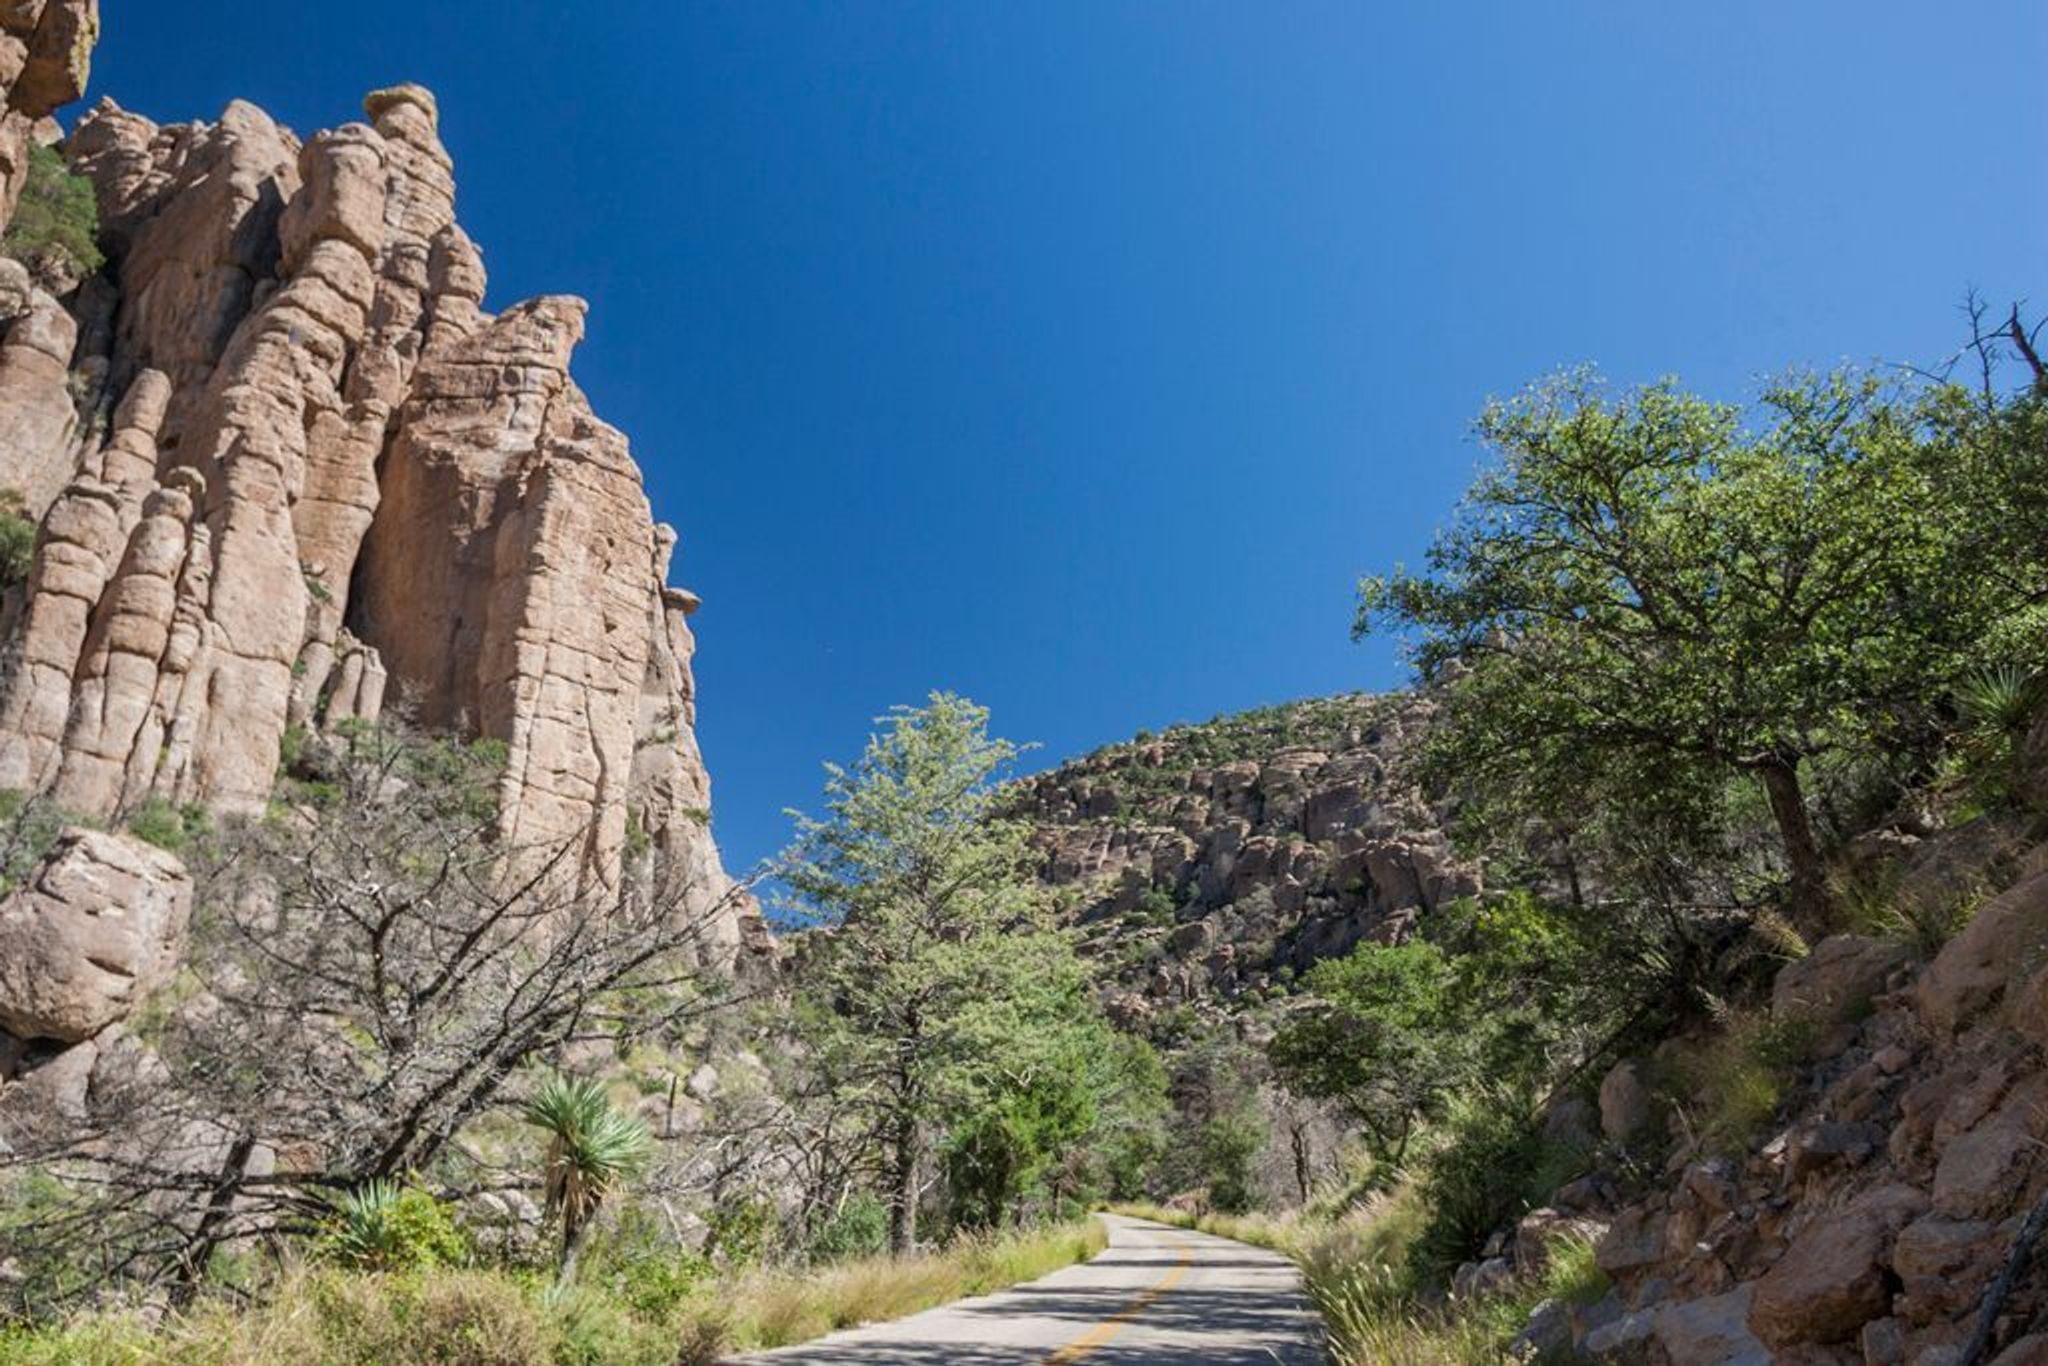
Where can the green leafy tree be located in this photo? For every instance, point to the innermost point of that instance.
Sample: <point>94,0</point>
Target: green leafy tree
<point>1219,1128</point>
<point>937,979</point>
<point>1079,1118</point>
<point>1644,594</point>
<point>1382,1038</point>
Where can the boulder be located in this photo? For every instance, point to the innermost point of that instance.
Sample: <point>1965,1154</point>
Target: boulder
<point>1943,1264</point>
<point>1974,969</point>
<point>1623,1339</point>
<point>94,930</point>
<point>1979,1174</point>
<point>1635,1240</point>
<point>1823,1144</point>
<point>1546,1337</point>
<point>1837,979</point>
<point>1835,1275</point>
<point>1711,1332</point>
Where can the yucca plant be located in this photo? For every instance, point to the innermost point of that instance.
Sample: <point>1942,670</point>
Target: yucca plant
<point>1998,705</point>
<point>1999,700</point>
<point>593,1146</point>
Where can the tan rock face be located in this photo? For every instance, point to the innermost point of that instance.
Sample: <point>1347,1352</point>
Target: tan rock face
<point>332,482</point>
<point>101,925</point>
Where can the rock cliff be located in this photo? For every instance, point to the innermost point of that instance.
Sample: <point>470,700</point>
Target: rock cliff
<point>1211,860</point>
<point>288,473</point>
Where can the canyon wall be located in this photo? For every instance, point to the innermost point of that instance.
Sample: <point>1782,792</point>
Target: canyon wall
<point>289,474</point>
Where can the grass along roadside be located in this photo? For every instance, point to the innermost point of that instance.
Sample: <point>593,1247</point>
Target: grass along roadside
<point>327,1316</point>
<point>777,1309</point>
<point>1352,1267</point>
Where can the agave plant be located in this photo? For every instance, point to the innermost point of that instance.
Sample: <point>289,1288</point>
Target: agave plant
<point>592,1147</point>
<point>384,1226</point>
<point>362,1232</point>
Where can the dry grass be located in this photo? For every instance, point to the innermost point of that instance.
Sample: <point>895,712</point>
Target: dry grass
<point>775,1309</point>
<point>330,1317</point>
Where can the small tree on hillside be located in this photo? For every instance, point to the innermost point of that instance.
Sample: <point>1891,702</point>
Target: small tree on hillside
<point>1381,1039</point>
<point>939,979</point>
<point>1642,593</point>
<point>55,229</point>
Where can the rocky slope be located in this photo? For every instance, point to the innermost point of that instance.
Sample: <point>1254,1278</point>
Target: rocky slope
<point>1210,861</point>
<point>1870,1220</point>
<point>289,473</point>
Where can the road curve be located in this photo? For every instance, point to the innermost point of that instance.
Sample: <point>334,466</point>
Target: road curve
<point>1157,1294</point>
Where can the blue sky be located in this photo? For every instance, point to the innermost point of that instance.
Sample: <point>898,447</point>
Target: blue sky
<point>1078,355</point>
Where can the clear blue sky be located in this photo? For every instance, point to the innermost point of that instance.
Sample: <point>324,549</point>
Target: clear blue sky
<point>1078,355</point>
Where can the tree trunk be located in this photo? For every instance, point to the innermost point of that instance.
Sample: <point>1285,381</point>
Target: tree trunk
<point>199,1248</point>
<point>903,1185</point>
<point>1806,901</point>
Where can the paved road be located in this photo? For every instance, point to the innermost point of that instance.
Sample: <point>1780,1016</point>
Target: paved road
<point>1157,1295</point>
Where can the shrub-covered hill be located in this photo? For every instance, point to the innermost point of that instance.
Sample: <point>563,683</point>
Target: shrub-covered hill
<point>1222,859</point>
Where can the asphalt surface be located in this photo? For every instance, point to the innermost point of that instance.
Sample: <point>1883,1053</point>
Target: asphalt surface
<point>1157,1294</point>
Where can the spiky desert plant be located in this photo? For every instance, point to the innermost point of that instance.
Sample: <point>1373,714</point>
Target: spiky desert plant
<point>2001,698</point>
<point>384,1226</point>
<point>1998,705</point>
<point>592,1147</point>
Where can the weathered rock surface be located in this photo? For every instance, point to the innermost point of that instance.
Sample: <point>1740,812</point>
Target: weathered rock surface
<point>101,925</point>
<point>289,470</point>
<point>1211,860</point>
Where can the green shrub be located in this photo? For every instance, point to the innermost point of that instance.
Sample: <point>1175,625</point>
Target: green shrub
<point>168,826</point>
<point>638,1263</point>
<point>1726,1087</point>
<point>17,539</point>
<point>56,225</point>
<point>740,1230</point>
<point>593,1329</point>
<point>383,1226</point>
<point>860,1228</point>
<point>1156,904</point>
<point>1495,1166</point>
<point>29,829</point>
<point>449,1318</point>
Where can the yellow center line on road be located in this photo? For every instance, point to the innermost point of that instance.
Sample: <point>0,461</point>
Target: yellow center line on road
<point>1115,1323</point>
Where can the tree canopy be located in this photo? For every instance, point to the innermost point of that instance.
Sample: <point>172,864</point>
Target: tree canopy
<point>1645,592</point>
<point>938,996</point>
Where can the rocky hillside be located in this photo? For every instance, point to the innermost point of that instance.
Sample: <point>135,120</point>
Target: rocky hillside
<point>287,473</point>
<point>1215,860</point>
<point>1875,1216</point>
